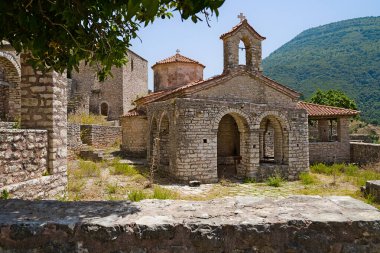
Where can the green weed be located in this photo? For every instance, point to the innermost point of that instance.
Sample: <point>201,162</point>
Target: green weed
<point>162,193</point>
<point>307,178</point>
<point>137,195</point>
<point>275,181</point>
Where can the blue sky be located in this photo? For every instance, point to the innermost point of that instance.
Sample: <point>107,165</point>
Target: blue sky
<point>277,20</point>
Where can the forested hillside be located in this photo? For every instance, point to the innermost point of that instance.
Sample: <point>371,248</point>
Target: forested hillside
<point>343,55</point>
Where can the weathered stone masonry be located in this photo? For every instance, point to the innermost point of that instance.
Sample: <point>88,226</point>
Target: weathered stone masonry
<point>44,109</point>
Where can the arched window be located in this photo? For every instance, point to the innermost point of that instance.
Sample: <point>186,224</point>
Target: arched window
<point>104,109</point>
<point>242,54</point>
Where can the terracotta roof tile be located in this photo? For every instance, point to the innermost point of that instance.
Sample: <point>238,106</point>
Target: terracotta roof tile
<point>315,110</point>
<point>241,24</point>
<point>178,58</point>
<point>134,112</point>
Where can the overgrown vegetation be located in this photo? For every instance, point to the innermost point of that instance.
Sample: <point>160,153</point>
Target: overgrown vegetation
<point>307,178</point>
<point>88,169</point>
<point>275,181</point>
<point>4,195</point>
<point>87,119</point>
<point>343,56</point>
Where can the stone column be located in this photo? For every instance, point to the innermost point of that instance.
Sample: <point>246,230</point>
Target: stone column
<point>323,130</point>
<point>343,130</point>
<point>44,106</point>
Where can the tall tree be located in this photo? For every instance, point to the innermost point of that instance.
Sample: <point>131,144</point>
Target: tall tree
<point>333,98</point>
<point>61,33</point>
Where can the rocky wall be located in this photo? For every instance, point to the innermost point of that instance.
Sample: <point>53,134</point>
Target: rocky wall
<point>135,134</point>
<point>365,153</point>
<point>23,155</point>
<point>6,125</point>
<point>100,136</point>
<point>73,136</point>
<point>296,224</point>
<point>329,152</point>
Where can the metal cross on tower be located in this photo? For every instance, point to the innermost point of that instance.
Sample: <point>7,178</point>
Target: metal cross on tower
<point>241,16</point>
<point>178,51</point>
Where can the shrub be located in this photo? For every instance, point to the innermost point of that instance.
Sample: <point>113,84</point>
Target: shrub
<point>111,188</point>
<point>249,180</point>
<point>123,169</point>
<point>351,169</point>
<point>321,168</point>
<point>87,119</point>
<point>307,178</point>
<point>4,195</point>
<point>88,169</point>
<point>366,175</point>
<point>137,195</point>
<point>275,181</point>
<point>75,186</point>
<point>162,193</point>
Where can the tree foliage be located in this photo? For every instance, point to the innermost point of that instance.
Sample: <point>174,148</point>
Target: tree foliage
<point>333,98</point>
<point>61,33</point>
<point>343,55</point>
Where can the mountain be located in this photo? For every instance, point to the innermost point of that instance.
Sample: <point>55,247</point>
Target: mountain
<point>343,55</point>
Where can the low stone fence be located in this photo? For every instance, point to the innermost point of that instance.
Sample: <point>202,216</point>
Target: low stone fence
<point>23,155</point>
<point>365,153</point>
<point>73,136</point>
<point>23,165</point>
<point>329,152</point>
<point>243,224</point>
<point>6,125</point>
<point>100,136</point>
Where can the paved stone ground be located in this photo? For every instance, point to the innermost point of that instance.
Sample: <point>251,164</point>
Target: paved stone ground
<point>240,224</point>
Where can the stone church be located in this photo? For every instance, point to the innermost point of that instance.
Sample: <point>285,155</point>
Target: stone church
<point>239,123</point>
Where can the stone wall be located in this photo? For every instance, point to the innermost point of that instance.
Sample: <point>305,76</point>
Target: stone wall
<point>100,136</point>
<point>135,135</point>
<point>334,151</point>
<point>296,224</point>
<point>365,153</point>
<point>6,125</point>
<point>23,155</point>
<point>73,136</point>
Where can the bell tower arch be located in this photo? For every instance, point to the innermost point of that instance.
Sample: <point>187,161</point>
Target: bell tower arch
<point>250,42</point>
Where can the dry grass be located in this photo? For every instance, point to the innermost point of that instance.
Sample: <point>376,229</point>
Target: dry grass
<point>124,182</point>
<point>87,119</point>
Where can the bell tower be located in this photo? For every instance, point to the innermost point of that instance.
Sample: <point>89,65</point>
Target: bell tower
<point>251,46</point>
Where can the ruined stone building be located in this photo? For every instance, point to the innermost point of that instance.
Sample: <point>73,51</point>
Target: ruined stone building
<point>236,123</point>
<point>113,97</point>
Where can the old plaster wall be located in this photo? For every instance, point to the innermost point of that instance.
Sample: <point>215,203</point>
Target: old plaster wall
<point>176,74</point>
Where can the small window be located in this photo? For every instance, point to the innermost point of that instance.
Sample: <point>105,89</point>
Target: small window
<point>104,109</point>
<point>204,140</point>
<point>242,54</point>
<point>132,65</point>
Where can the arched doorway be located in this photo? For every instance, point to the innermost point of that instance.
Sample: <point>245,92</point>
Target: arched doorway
<point>232,141</point>
<point>164,155</point>
<point>10,96</point>
<point>274,144</point>
<point>104,109</point>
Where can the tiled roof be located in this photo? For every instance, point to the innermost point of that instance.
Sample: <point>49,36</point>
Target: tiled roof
<point>195,86</point>
<point>315,110</point>
<point>177,58</point>
<point>134,112</point>
<point>241,24</point>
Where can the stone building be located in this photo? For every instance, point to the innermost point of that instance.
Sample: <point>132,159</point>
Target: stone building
<point>329,138</point>
<point>113,97</point>
<point>238,123</point>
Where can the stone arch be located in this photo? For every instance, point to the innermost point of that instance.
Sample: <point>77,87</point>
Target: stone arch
<point>274,140</point>
<point>10,97</point>
<point>247,49</point>
<point>238,115</point>
<point>233,139</point>
<point>104,109</point>
<point>282,118</point>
